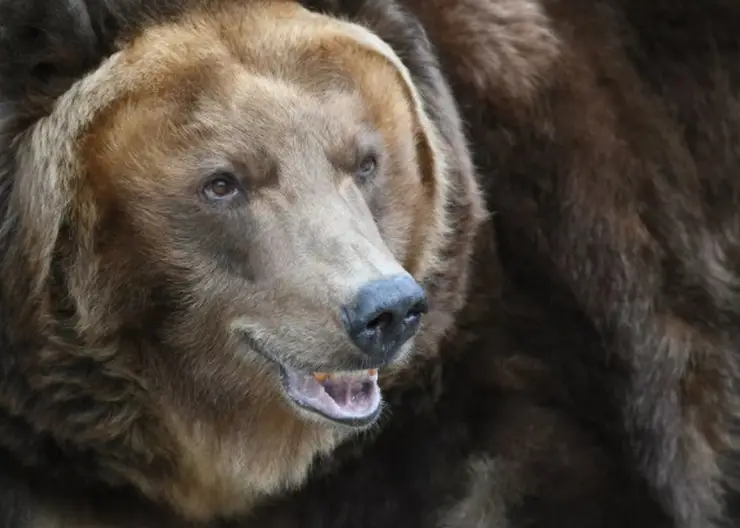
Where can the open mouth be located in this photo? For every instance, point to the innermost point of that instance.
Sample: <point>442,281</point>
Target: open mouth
<point>348,397</point>
<point>351,398</point>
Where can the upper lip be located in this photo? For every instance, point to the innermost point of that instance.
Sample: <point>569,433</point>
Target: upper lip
<point>354,361</point>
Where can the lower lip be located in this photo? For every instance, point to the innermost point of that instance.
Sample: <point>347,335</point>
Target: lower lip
<point>357,423</point>
<point>352,422</point>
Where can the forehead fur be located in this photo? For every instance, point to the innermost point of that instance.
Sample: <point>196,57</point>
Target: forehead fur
<point>280,40</point>
<point>283,40</point>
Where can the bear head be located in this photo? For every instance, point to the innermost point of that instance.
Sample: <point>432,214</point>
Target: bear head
<point>216,239</point>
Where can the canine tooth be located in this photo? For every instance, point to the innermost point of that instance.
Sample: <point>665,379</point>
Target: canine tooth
<point>321,377</point>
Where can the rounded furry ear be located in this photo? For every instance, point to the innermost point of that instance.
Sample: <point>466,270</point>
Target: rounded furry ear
<point>46,46</point>
<point>432,151</point>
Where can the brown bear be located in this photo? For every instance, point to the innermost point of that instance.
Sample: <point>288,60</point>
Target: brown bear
<point>197,197</point>
<point>217,234</point>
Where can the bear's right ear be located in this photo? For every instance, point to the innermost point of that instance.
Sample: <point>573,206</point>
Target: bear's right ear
<point>46,46</point>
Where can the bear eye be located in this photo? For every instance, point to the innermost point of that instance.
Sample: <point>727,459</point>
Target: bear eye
<point>367,168</point>
<point>221,186</point>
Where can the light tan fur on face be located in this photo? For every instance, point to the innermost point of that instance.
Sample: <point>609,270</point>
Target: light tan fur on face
<point>126,127</point>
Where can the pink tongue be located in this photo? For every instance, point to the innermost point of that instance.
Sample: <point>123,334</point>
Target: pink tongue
<point>341,396</point>
<point>346,393</point>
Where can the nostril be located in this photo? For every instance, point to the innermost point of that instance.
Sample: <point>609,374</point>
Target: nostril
<point>384,315</point>
<point>388,318</point>
<point>384,319</point>
<point>416,311</point>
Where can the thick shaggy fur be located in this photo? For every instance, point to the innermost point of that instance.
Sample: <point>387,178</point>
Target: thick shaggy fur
<point>143,323</point>
<point>588,374</point>
<point>597,371</point>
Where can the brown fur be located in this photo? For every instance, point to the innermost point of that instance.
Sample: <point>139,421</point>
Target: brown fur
<point>605,132</point>
<point>115,267</point>
<point>631,187</point>
<point>587,373</point>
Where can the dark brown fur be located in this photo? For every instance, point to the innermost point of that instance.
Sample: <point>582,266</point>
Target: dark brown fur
<point>606,134</point>
<point>590,379</point>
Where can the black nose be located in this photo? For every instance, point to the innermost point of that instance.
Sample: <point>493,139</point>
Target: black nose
<point>384,315</point>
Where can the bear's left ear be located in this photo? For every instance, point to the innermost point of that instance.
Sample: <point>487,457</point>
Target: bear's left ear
<point>432,150</point>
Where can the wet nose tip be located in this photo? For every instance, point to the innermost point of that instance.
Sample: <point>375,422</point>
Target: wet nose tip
<point>384,315</point>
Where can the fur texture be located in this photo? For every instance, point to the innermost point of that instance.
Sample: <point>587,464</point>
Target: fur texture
<point>588,372</point>
<point>146,325</point>
<point>601,355</point>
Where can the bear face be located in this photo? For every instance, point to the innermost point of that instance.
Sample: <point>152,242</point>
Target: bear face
<point>217,239</point>
<point>263,196</point>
